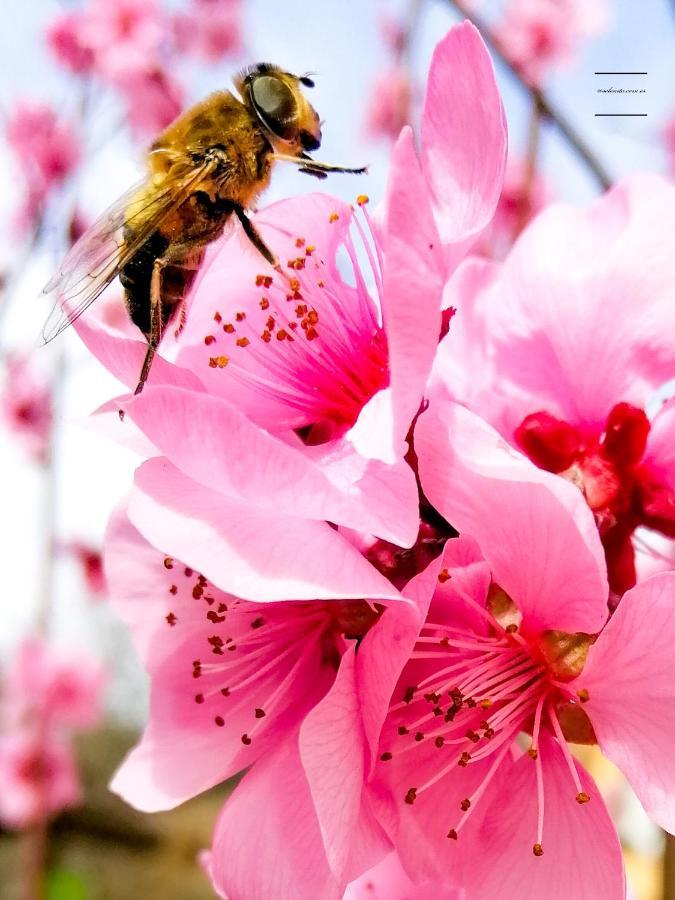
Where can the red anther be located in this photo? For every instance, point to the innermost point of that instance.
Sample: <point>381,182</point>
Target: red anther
<point>411,796</point>
<point>549,442</point>
<point>538,850</point>
<point>626,434</point>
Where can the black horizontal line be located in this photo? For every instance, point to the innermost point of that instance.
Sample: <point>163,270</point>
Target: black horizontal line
<point>621,114</point>
<point>622,73</point>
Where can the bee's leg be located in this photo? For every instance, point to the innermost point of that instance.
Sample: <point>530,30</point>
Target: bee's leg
<point>155,334</point>
<point>254,237</point>
<point>314,167</point>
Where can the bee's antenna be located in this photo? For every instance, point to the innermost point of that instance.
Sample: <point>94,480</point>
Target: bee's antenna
<point>307,79</point>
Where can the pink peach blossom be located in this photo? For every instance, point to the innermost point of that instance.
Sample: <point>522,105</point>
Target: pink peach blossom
<point>517,641</point>
<point>388,881</point>
<point>65,40</point>
<point>209,29</point>
<point>341,366</point>
<point>540,34</point>
<point>518,204</point>
<point>37,778</point>
<point>91,564</point>
<point>389,105</point>
<point>270,684</point>
<point>47,152</point>
<point>124,36</point>
<point>153,98</point>
<point>54,685</point>
<point>564,346</point>
<point>26,405</point>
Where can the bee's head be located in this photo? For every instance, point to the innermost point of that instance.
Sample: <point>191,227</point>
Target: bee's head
<point>277,100</point>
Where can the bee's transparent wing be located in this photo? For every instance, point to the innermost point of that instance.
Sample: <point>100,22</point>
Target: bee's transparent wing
<point>97,258</point>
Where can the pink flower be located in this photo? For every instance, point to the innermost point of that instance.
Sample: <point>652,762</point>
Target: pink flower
<point>210,30</point>
<point>388,881</point>
<point>517,642</point>
<point>46,150</point>
<point>389,106</point>
<point>564,346</point>
<point>91,564</point>
<point>153,97</point>
<point>56,686</point>
<point>124,36</point>
<point>518,204</point>
<point>540,34</point>
<point>341,366</point>
<point>64,38</point>
<point>26,406</point>
<point>271,684</point>
<point>37,779</point>
<point>669,142</point>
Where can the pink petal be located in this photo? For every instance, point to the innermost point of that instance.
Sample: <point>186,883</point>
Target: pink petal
<point>267,843</point>
<point>144,592</point>
<point>582,855</point>
<point>535,529</point>
<point>122,354</point>
<point>333,753</point>
<point>630,678</point>
<point>584,315</point>
<point>388,881</point>
<point>252,553</point>
<point>413,286</point>
<point>220,448</point>
<point>463,139</point>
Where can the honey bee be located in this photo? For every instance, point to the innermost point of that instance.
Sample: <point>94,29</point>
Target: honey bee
<point>212,162</point>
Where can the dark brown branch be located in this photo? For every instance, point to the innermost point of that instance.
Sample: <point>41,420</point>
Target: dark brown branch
<point>538,97</point>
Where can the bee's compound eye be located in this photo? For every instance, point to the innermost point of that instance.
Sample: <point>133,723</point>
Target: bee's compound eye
<point>276,105</point>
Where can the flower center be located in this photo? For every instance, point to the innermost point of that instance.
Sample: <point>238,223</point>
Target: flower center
<point>313,343</point>
<point>246,661</point>
<point>479,691</point>
<point>620,489</point>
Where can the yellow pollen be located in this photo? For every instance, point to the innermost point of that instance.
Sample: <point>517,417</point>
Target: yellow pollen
<point>218,362</point>
<point>583,695</point>
<point>333,217</point>
<point>582,797</point>
<point>486,703</point>
<point>362,199</point>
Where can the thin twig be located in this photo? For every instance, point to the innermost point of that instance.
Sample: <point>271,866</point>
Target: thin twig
<point>548,110</point>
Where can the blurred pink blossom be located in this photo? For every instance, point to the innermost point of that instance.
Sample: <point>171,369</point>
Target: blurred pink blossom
<point>26,405</point>
<point>209,29</point>
<point>152,96</point>
<point>91,564</point>
<point>518,204</point>
<point>538,35</point>
<point>669,143</point>
<point>38,778</point>
<point>563,347</point>
<point>124,37</point>
<point>47,150</point>
<point>389,106</point>
<point>388,881</point>
<point>57,686</point>
<point>47,694</point>
<point>65,39</point>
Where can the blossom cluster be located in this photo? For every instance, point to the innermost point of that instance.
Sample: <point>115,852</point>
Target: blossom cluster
<point>47,695</point>
<point>132,46</point>
<point>391,550</point>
